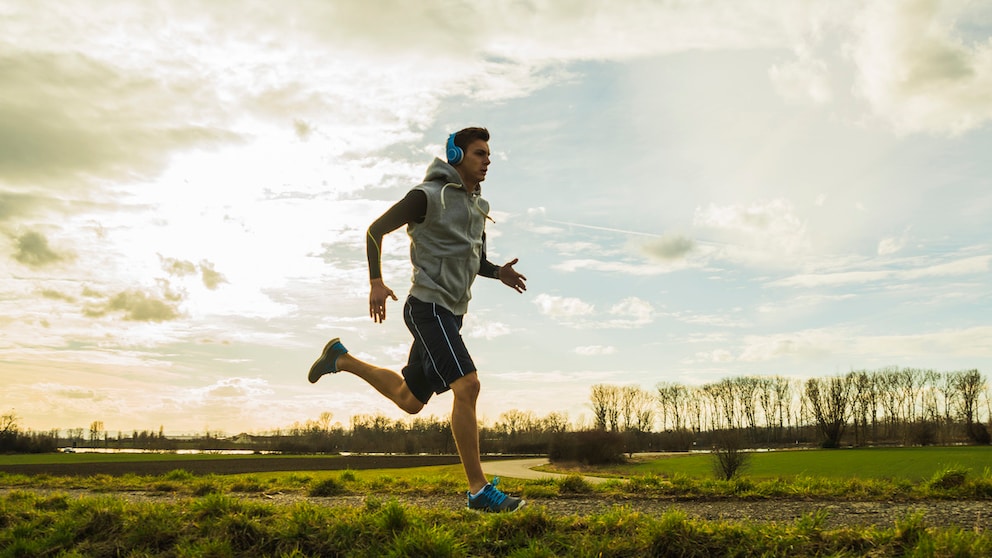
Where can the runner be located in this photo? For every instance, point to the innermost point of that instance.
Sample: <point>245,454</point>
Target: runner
<point>445,218</point>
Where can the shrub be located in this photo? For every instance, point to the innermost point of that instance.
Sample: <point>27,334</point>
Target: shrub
<point>729,457</point>
<point>327,487</point>
<point>591,447</point>
<point>574,484</point>
<point>949,477</point>
<point>178,475</point>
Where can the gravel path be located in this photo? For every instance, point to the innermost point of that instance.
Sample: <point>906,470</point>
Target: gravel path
<point>966,514</point>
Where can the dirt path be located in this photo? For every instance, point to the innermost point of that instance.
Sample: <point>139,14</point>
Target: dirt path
<point>525,469</point>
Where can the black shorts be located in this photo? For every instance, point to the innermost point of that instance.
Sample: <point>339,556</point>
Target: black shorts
<point>438,355</point>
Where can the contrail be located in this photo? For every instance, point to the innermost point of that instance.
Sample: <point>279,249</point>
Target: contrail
<point>607,229</point>
<point>624,231</point>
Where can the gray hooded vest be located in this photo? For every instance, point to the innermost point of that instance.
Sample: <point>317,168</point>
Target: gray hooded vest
<point>446,249</point>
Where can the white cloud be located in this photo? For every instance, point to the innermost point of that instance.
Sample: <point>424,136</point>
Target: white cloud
<point>768,233</point>
<point>562,308</point>
<point>631,312</point>
<point>916,270</point>
<point>807,344</point>
<point>487,330</point>
<point>891,245</point>
<point>619,267</point>
<point>917,70</point>
<point>716,356</point>
<point>804,79</point>
<point>596,350</point>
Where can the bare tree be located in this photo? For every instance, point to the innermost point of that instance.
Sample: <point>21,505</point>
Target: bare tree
<point>96,427</point>
<point>746,389</point>
<point>636,409</point>
<point>766,401</point>
<point>729,457</point>
<point>605,402</point>
<point>970,385</point>
<point>783,402</point>
<point>8,423</point>
<point>829,402</point>
<point>676,404</point>
<point>949,394</point>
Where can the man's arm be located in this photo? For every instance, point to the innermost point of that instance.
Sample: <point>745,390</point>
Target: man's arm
<point>411,209</point>
<point>504,273</point>
<point>486,267</point>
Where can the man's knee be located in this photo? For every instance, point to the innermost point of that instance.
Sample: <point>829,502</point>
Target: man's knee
<point>412,406</point>
<point>467,387</point>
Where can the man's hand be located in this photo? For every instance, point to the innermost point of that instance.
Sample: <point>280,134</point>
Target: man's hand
<point>377,300</point>
<point>511,278</point>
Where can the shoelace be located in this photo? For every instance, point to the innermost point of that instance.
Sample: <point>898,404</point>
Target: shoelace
<point>496,496</point>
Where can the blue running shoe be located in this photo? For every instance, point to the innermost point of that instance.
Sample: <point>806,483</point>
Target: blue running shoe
<point>492,499</point>
<point>328,361</point>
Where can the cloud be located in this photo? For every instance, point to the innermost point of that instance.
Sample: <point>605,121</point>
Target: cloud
<point>669,247</point>
<point>612,266</point>
<point>761,233</point>
<point>631,312</point>
<point>596,350</point>
<point>890,245</point>
<point>139,305</point>
<point>212,279</point>
<point>805,79</point>
<point>926,269</point>
<point>14,204</point>
<point>177,267</point>
<point>573,312</point>
<point>70,116</point>
<point>818,344</point>
<point>33,251</point>
<point>916,69</point>
<point>487,330</point>
<point>562,308</point>
<point>232,388</point>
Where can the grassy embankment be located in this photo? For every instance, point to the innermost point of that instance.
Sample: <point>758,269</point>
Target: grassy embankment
<point>207,517</point>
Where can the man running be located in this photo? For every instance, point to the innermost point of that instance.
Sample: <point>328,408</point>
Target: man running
<point>445,218</point>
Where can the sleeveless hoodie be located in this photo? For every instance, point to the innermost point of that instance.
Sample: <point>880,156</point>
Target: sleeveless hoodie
<point>446,249</point>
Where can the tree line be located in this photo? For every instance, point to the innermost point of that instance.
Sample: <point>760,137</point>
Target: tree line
<point>890,406</point>
<point>904,406</point>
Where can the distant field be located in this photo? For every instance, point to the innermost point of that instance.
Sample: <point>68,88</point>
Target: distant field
<point>912,464</point>
<point>51,458</point>
<point>78,464</point>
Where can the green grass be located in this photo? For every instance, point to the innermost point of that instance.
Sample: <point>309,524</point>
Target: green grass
<point>911,464</point>
<point>34,524</point>
<point>217,515</point>
<point>50,458</point>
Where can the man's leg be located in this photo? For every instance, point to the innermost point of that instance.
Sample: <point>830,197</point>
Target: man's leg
<point>465,429</point>
<point>386,382</point>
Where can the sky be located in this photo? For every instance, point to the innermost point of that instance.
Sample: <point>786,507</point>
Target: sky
<point>694,190</point>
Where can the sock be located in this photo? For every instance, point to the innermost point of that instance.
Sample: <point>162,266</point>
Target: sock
<point>480,491</point>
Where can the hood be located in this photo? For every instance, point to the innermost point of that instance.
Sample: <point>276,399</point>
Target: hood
<point>440,171</point>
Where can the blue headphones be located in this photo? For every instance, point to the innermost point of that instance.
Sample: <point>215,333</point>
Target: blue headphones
<point>454,152</point>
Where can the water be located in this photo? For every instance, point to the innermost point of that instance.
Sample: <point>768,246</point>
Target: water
<point>177,452</point>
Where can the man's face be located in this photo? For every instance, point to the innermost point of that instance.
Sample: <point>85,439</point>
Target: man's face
<point>475,164</point>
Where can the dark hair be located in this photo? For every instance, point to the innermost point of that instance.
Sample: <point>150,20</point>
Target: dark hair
<point>468,135</point>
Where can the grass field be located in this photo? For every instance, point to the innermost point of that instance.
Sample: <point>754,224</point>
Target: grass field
<point>225,515</point>
<point>47,458</point>
<point>912,464</point>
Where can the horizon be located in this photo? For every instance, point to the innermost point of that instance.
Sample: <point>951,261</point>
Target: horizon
<point>694,192</point>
